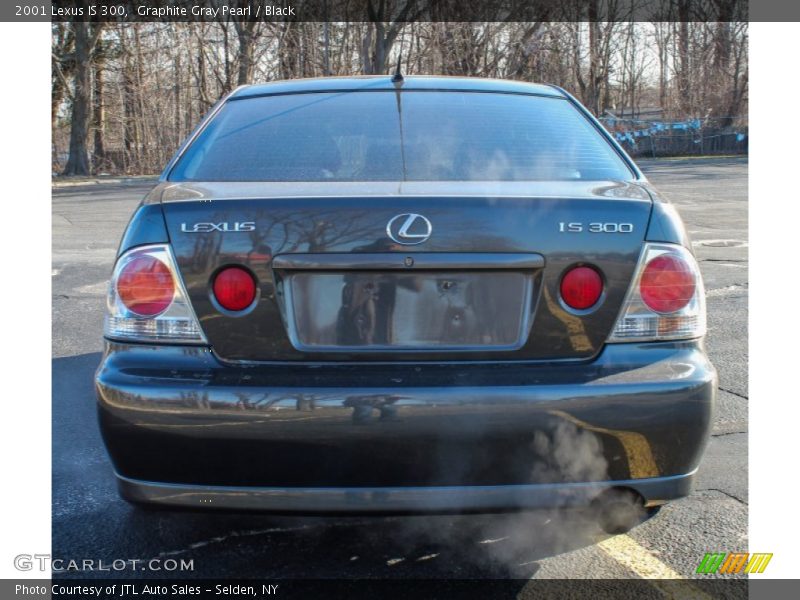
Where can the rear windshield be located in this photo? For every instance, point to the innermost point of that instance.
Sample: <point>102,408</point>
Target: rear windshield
<point>399,136</point>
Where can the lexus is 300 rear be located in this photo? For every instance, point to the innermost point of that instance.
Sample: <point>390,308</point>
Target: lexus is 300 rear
<point>429,295</point>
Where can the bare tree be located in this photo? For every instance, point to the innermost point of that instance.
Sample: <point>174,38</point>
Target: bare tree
<point>98,103</point>
<point>126,94</point>
<point>381,35</point>
<point>63,44</point>
<point>86,36</point>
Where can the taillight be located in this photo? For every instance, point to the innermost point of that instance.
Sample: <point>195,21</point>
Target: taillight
<point>581,288</point>
<point>667,283</point>
<point>666,300</point>
<point>234,288</point>
<point>145,286</point>
<point>147,301</point>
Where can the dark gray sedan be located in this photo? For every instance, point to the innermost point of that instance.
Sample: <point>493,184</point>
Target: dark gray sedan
<point>396,295</point>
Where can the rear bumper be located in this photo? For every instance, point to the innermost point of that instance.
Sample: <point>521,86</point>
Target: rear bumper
<point>390,500</point>
<point>184,429</point>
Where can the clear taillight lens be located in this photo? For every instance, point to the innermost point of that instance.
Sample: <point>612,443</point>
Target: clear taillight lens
<point>145,286</point>
<point>666,300</point>
<point>667,284</point>
<point>147,301</point>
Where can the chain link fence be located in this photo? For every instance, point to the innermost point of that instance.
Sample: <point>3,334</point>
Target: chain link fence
<point>692,137</point>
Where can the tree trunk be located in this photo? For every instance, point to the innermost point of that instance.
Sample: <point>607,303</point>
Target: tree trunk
<point>593,93</point>
<point>684,102</point>
<point>366,52</point>
<point>62,67</point>
<point>99,116</point>
<point>178,73</point>
<point>379,55</point>
<point>78,161</point>
<point>130,130</point>
<point>724,84</point>
<point>326,57</point>
<point>289,50</point>
<point>202,79</point>
<point>245,32</point>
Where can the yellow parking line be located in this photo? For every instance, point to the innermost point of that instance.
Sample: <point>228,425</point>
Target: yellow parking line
<point>634,557</point>
<point>630,554</point>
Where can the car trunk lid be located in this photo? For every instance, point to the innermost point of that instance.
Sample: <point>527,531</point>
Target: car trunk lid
<point>333,284</point>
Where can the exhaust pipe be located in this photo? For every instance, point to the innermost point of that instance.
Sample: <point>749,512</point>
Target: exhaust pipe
<point>618,510</point>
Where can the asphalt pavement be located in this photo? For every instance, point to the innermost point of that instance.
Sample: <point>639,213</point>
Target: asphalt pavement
<point>90,521</point>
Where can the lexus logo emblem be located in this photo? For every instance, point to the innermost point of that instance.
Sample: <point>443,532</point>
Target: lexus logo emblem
<point>409,229</point>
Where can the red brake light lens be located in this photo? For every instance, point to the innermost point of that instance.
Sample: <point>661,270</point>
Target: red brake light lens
<point>581,288</point>
<point>234,288</point>
<point>667,284</point>
<point>145,286</point>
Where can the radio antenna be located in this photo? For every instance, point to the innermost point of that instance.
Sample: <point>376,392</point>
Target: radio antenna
<point>398,76</point>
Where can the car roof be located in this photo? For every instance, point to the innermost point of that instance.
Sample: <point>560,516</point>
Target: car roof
<point>384,82</point>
